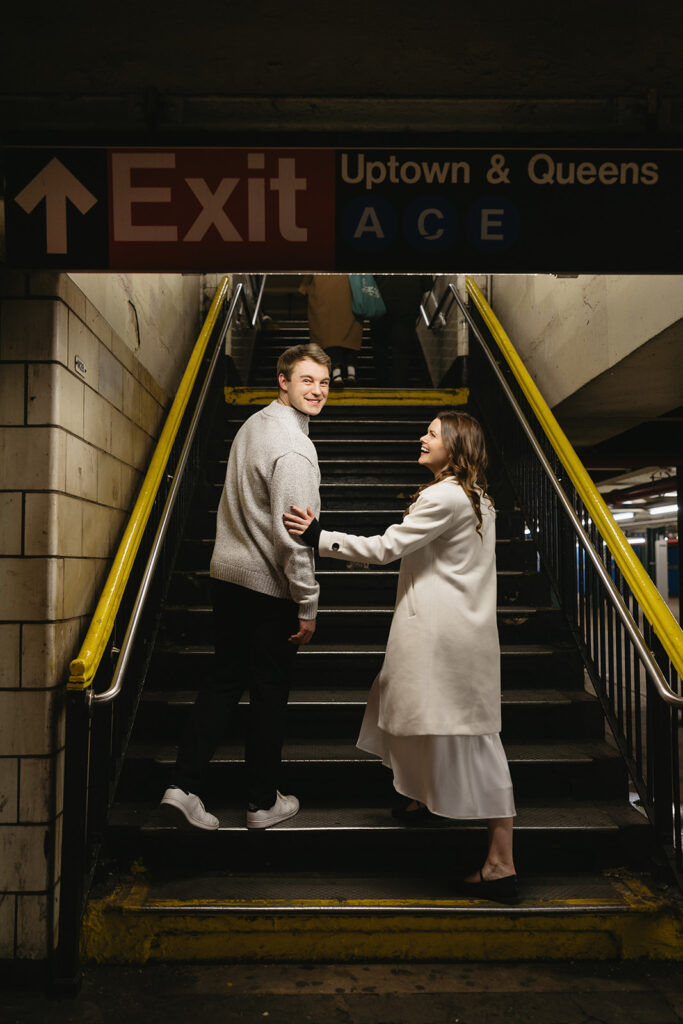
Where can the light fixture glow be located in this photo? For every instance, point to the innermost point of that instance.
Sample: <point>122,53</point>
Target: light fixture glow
<point>620,516</point>
<point>663,510</point>
<point>636,540</point>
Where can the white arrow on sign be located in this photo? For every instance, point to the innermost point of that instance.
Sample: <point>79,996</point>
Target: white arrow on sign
<point>55,184</point>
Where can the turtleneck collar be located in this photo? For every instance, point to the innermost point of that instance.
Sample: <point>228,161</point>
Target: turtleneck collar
<point>289,411</point>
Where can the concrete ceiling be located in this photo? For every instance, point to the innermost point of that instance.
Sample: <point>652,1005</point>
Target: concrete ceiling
<point>312,66</point>
<point>313,49</point>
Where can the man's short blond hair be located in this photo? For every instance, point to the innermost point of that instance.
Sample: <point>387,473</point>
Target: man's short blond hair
<point>291,356</point>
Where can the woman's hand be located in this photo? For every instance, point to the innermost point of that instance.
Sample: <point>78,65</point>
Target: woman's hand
<point>297,521</point>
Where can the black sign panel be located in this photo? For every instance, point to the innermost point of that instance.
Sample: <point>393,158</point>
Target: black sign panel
<point>516,210</point>
<point>56,208</point>
<point>519,211</point>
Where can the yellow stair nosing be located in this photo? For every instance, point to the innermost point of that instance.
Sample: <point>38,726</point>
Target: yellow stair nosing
<point>359,396</point>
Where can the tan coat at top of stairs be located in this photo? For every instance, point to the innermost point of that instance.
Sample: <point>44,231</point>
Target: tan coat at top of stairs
<point>441,672</point>
<point>330,318</point>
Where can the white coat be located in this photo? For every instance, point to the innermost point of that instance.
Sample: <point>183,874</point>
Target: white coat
<point>441,672</point>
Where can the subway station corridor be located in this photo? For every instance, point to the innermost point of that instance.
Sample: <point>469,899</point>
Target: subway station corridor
<point>168,186</point>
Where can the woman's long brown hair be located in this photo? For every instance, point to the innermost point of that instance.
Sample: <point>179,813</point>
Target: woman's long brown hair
<point>463,439</point>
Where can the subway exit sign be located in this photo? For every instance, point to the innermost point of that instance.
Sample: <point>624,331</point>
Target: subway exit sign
<point>480,209</point>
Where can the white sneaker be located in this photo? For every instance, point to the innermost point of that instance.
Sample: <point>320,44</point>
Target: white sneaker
<point>283,808</point>
<point>187,808</point>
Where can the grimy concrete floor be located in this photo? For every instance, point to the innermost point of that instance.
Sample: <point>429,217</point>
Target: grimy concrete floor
<point>530,993</point>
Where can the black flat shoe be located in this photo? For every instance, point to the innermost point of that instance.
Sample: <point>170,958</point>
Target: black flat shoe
<point>499,890</point>
<point>402,811</point>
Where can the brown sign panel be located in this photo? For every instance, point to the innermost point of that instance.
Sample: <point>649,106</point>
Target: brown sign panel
<point>221,208</point>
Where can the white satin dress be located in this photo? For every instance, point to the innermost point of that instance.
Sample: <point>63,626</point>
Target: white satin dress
<point>454,776</point>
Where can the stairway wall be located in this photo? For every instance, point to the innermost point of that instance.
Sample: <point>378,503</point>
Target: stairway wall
<point>578,338</point>
<point>157,316</point>
<point>79,413</point>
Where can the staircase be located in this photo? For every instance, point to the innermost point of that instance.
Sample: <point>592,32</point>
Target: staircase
<point>343,879</point>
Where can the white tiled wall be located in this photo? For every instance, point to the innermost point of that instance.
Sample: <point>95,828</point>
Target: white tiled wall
<point>78,418</point>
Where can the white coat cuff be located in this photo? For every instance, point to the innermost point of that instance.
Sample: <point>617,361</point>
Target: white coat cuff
<point>330,545</point>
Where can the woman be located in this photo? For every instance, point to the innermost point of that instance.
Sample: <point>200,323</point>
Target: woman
<point>332,324</point>
<point>433,713</point>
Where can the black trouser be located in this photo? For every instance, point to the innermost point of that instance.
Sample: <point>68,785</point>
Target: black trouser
<point>342,357</point>
<point>252,653</point>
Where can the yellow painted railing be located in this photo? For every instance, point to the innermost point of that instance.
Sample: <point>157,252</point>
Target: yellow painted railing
<point>85,664</point>
<point>646,594</point>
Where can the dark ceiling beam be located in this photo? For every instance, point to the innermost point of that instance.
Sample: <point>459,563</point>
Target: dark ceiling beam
<point>149,111</point>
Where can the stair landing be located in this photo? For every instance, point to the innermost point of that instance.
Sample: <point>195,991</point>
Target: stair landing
<point>379,916</point>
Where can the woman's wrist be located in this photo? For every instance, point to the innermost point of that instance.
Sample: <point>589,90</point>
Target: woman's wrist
<point>311,534</point>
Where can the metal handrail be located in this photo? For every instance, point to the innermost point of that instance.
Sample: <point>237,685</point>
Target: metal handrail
<point>126,646</point>
<point>259,300</point>
<point>429,323</point>
<point>652,668</point>
<point>85,664</point>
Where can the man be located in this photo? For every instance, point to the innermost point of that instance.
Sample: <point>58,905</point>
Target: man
<point>264,593</point>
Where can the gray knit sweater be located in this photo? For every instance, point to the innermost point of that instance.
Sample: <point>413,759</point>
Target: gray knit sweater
<point>273,464</point>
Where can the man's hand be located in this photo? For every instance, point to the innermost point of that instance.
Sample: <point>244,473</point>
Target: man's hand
<point>306,631</point>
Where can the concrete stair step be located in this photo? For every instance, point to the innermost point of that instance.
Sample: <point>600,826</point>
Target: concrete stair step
<point>511,553</point>
<point>570,815</point>
<point>354,470</point>
<point>349,586</point>
<point>316,768</point>
<point>550,836</point>
<point>201,522</point>
<point>358,449</point>
<point>333,424</point>
<point>329,712</point>
<point>391,916</point>
<point>343,665</point>
<point>370,624</point>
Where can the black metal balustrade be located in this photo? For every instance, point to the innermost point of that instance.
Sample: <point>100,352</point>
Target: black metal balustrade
<point>637,684</point>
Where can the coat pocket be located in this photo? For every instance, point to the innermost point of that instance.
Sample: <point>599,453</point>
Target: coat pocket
<point>410,597</point>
